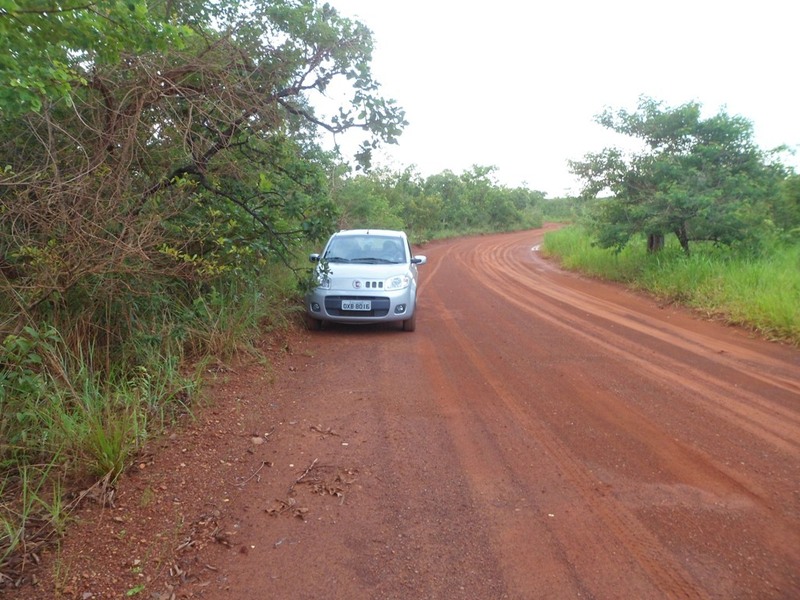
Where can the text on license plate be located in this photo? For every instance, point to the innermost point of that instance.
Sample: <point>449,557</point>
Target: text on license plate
<point>356,304</point>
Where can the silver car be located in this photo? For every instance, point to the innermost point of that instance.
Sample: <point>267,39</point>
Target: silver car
<point>365,276</point>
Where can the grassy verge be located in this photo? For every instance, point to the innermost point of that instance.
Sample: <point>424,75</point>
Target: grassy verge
<point>761,292</point>
<point>74,416</point>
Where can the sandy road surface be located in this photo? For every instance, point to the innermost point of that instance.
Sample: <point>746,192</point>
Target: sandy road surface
<point>539,436</point>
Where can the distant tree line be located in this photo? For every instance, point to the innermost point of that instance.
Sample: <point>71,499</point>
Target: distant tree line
<point>442,204</point>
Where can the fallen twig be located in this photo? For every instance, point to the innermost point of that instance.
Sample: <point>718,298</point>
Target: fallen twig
<point>327,431</point>
<point>255,473</point>
<point>307,471</point>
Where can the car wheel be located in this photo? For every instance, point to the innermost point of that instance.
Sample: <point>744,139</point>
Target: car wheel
<point>410,324</point>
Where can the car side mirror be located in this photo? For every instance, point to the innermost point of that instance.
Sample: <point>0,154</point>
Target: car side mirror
<point>419,260</point>
<point>313,258</point>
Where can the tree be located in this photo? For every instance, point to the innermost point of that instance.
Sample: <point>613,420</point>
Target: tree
<point>786,209</point>
<point>179,146</point>
<point>700,179</point>
<point>450,188</point>
<point>363,202</point>
<point>47,45</point>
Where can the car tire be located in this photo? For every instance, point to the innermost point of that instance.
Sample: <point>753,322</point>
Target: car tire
<point>410,324</point>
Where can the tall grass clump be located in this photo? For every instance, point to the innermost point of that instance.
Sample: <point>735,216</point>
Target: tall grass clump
<point>575,250</point>
<point>60,405</point>
<point>233,315</point>
<point>759,289</point>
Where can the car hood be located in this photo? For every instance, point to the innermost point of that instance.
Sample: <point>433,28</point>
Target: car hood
<point>343,274</point>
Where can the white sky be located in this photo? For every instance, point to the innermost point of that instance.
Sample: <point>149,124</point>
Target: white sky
<point>516,84</point>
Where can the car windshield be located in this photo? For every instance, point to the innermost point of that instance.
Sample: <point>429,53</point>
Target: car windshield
<point>366,249</point>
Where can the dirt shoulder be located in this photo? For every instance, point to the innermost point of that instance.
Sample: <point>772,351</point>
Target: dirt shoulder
<point>539,435</point>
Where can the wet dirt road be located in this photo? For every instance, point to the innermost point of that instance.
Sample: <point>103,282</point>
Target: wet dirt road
<point>540,435</point>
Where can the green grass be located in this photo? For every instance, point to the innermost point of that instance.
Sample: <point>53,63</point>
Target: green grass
<point>66,420</point>
<point>73,413</point>
<point>32,509</point>
<point>761,292</point>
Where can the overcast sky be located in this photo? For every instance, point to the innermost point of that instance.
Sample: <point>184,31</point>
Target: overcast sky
<point>516,84</point>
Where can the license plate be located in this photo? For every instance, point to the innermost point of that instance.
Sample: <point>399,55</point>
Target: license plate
<point>361,305</point>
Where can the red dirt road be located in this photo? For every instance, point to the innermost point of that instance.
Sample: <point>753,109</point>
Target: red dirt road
<point>540,435</point>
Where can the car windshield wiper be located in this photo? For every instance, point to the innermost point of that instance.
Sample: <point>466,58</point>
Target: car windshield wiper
<point>373,260</point>
<point>337,259</point>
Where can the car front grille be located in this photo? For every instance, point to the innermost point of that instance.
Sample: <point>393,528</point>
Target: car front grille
<point>380,306</point>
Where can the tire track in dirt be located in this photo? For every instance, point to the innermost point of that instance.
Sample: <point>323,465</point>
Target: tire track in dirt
<point>777,423</point>
<point>711,378</point>
<point>658,572</point>
<point>726,387</point>
<point>424,511</point>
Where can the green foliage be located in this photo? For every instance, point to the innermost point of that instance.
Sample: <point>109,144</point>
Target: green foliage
<point>364,202</point>
<point>559,209</point>
<point>171,160</point>
<point>47,43</point>
<point>576,250</point>
<point>59,404</point>
<point>786,207</point>
<point>445,203</point>
<point>700,179</point>
<point>31,510</point>
<point>228,319</point>
<point>62,415</point>
<point>156,155</point>
<point>757,290</point>
<point>23,384</point>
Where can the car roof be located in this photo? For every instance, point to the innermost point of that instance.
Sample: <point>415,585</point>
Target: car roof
<point>381,232</point>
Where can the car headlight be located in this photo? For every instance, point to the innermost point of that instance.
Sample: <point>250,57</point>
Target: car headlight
<point>398,282</point>
<point>323,282</point>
